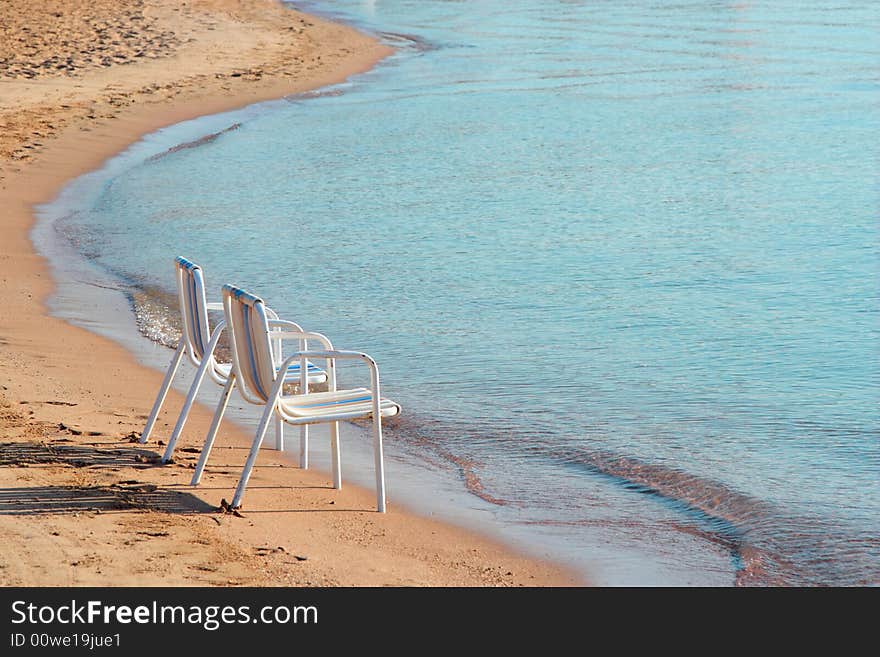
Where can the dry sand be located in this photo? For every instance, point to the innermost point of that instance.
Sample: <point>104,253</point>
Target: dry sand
<point>80,502</point>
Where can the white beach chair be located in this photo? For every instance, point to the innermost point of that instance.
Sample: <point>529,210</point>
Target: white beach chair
<point>254,367</point>
<point>198,342</point>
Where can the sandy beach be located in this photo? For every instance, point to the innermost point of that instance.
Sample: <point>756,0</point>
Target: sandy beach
<point>81,502</point>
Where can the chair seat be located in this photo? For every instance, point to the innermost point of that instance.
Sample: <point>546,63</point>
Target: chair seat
<point>356,402</point>
<point>315,373</point>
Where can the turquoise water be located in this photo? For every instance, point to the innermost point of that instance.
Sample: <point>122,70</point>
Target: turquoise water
<point>617,260</point>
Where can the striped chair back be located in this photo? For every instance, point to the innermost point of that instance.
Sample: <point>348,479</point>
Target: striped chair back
<point>193,308</point>
<point>251,345</point>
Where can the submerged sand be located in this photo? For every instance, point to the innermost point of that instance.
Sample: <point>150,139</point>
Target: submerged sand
<point>81,503</point>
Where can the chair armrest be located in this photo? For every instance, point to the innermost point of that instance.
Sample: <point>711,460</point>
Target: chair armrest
<point>335,354</point>
<point>303,335</point>
<point>332,355</point>
<point>213,306</point>
<point>274,322</point>
<point>294,332</point>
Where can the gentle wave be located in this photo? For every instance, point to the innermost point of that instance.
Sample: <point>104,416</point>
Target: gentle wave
<point>772,547</point>
<point>195,143</point>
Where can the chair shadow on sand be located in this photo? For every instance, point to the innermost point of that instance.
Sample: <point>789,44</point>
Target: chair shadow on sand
<point>121,496</point>
<point>67,499</point>
<point>80,456</point>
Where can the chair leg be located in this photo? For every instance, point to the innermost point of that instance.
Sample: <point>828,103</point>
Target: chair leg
<point>279,434</point>
<point>335,456</point>
<point>212,432</point>
<point>187,407</point>
<point>380,463</point>
<point>163,390</point>
<point>304,447</point>
<point>252,456</point>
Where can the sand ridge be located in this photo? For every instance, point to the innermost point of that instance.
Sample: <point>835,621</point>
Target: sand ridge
<point>81,502</point>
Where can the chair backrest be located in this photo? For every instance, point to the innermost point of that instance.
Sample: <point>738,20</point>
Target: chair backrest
<point>251,347</point>
<point>193,307</point>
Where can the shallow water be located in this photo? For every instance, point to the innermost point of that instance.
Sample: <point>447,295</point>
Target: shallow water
<point>618,261</point>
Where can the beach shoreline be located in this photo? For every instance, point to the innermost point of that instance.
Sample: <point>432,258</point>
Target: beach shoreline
<point>84,505</point>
